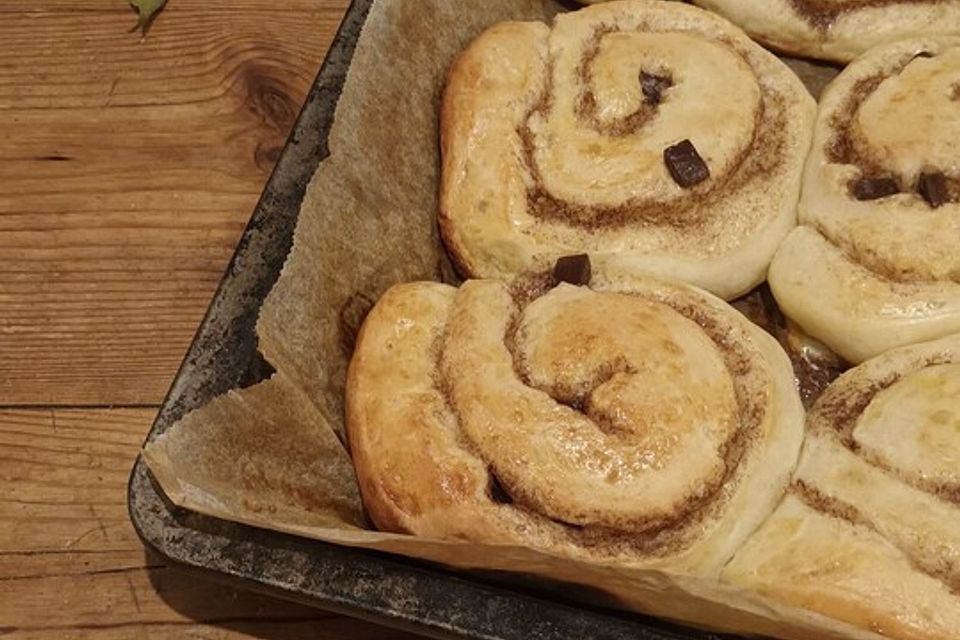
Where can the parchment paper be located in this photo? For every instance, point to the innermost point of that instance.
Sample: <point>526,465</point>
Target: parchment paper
<point>272,455</point>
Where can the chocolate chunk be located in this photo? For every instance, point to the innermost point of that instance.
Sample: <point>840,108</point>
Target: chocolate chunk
<point>933,188</point>
<point>653,87</point>
<point>874,188</point>
<point>573,269</point>
<point>685,165</point>
<point>922,54</point>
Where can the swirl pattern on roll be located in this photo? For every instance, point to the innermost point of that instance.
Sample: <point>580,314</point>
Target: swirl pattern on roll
<point>869,532</point>
<point>634,421</point>
<point>838,30</point>
<point>554,141</point>
<point>875,263</point>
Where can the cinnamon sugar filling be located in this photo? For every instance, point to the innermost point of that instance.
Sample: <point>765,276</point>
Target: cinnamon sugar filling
<point>655,537</point>
<point>821,14</point>
<point>758,160</point>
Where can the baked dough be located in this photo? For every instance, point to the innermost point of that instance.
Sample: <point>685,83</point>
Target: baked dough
<point>553,143</point>
<point>869,532</point>
<point>636,421</point>
<point>838,30</point>
<point>867,275</point>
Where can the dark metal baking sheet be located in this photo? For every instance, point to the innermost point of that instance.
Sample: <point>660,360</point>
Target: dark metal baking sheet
<point>392,591</point>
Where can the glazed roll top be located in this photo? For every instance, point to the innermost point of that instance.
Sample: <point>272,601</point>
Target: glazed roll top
<point>838,29</point>
<point>876,262</point>
<point>633,420</point>
<point>870,530</point>
<point>654,136</point>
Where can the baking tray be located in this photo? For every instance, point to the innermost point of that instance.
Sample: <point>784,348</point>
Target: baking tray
<point>389,590</point>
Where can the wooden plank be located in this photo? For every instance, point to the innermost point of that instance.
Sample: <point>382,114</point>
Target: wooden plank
<point>121,7</point>
<point>71,565</point>
<point>129,170</point>
<point>161,602</point>
<point>64,476</point>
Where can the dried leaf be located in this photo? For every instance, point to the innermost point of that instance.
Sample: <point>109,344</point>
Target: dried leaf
<point>147,10</point>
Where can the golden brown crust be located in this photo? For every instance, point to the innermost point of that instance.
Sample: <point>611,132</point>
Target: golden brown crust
<point>870,531</point>
<point>838,30</point>
<point>457,73</point>
<point>379,507</point>
<point>553,143</point>
<point>554,420</point>
<point>871,270</point>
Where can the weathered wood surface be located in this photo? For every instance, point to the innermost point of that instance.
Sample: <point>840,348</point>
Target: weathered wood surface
<point>127,172</point>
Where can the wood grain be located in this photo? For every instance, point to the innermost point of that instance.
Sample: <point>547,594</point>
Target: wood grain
<point>129,169</point>
<point>71,565</point>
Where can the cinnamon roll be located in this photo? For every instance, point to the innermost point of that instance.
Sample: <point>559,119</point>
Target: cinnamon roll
<point>876,262</point>
<point>654,136</point>
<point>869,532</point>
<point>838,30</point>
<point>634,421</point>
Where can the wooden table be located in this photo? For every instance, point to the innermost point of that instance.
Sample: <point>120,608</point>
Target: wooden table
<point>127,171</point>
